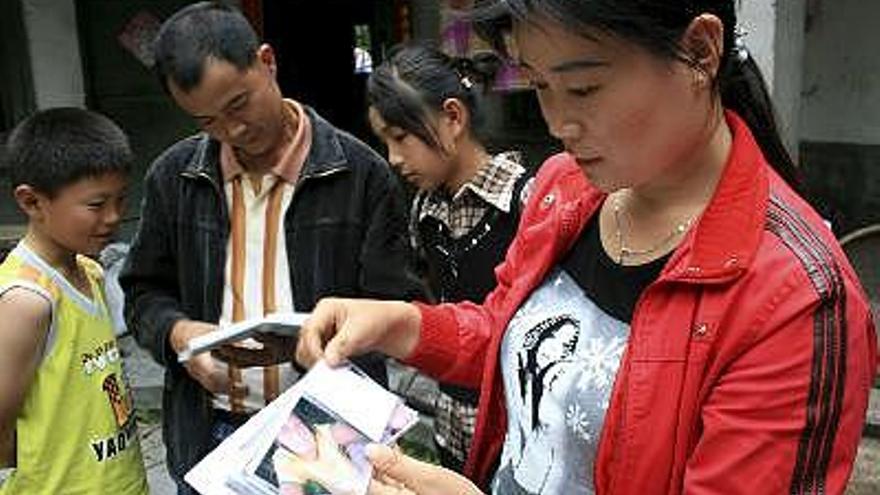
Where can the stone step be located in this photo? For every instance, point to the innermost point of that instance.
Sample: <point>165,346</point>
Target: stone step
<point>145,376</point>
<point>872,423</point>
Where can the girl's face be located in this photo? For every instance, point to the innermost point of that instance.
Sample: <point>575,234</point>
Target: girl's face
<point>420,164</point>
<point>629,117</point>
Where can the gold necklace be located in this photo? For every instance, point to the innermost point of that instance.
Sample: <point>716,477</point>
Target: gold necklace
<point>624,251</point>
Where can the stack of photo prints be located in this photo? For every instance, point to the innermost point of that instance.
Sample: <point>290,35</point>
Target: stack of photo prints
<point>309,441</point>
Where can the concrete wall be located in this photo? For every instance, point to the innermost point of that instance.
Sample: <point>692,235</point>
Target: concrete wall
<point>54,49</point>
<point>840,114</point>
<point>50,29</point>
<point>775,38</point>
<point>758,20</point>
<point>842,73</point>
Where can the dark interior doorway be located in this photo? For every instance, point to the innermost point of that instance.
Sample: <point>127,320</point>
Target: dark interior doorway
<point>315,42</point>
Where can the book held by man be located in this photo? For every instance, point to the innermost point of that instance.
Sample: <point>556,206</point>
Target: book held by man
<point>285,324</point>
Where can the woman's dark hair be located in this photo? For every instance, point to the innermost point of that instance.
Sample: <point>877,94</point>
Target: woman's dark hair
<point>59,146</point>
<point>198,32</point>
<point>658,26</point>
<point>416,79</point>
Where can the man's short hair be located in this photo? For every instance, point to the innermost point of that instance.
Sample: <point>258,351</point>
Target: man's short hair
<point>196,33</point>
<point>57,147</point>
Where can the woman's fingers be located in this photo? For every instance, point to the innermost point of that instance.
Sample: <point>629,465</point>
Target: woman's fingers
<point>385,460</point>
<point>337,330</point>
<point>341,328</point>
<point>399,473</point>
<point>386,468</point>
<point>395,471</point>
<point>379,487</point>
<point>339,347</point>
<point>323,321</point>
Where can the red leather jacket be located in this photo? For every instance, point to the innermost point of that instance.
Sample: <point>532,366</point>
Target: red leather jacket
<point>749,360</point>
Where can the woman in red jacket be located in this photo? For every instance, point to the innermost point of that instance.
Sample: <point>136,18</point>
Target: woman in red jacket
<point>671,316</point>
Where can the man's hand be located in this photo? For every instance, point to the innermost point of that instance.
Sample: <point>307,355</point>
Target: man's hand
<point>398,474</point>
<point>203,368</point>
<point>273,349</point>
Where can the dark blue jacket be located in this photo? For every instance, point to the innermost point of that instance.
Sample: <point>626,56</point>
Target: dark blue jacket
<point>345,232</point>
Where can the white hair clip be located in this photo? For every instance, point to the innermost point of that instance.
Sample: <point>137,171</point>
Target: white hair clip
<point>739,45</point>
<point>466,82</point>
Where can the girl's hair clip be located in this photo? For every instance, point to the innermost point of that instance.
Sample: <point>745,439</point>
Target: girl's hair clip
<point>466,82</point>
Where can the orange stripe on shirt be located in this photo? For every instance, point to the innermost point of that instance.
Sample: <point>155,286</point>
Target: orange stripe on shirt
<point>236,399</point>
<point>271,376</point>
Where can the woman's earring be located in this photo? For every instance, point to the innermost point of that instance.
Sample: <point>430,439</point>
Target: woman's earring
<point>452,149</point>
<point>700,77</point>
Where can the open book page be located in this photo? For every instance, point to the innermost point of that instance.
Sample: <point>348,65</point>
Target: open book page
<point>315,452</point>
<point>311,440</point>
<point>284,324</point>
<point>239,448</point>
<point>350,393</point>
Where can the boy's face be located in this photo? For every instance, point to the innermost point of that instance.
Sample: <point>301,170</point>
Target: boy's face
<point>83,216</point>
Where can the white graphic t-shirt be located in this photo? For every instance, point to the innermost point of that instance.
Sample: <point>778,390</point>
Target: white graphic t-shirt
<point>559,358</point>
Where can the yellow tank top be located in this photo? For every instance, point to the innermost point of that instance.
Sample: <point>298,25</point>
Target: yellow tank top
<point>76,432</point>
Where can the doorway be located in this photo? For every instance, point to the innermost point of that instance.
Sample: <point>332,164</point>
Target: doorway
<point>325,50</point>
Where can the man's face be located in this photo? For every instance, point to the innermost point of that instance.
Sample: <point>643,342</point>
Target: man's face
<point>242,108</point>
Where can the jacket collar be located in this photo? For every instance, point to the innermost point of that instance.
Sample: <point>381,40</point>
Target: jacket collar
<point>725,239</point>
<point>326,155</point>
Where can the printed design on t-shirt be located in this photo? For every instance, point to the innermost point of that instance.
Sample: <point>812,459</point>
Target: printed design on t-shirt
<point>536,361</point>
<point>559,358</point>
<point>111,446</point>
<point>601,360</point>
<point>104,355</point>
<point>120,402</point>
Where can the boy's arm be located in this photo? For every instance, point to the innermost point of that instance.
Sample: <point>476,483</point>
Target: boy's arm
<point>26,317</point>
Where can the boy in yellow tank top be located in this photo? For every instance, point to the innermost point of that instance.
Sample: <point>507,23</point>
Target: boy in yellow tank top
<point>67,424</point>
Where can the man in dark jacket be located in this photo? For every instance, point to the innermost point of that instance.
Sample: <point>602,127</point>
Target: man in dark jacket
<point>269,209</point>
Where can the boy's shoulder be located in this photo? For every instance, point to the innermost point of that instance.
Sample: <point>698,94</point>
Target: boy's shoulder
<point>17,271</point>
<point>92,268</point>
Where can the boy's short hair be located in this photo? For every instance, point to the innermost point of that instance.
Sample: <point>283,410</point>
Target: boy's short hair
<point>196,33</point>
<point>57,147</point>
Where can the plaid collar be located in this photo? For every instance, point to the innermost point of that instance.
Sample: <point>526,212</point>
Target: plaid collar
<point>494,183</point>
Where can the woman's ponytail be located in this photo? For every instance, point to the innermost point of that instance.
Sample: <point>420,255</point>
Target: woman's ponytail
<point>743,90</point>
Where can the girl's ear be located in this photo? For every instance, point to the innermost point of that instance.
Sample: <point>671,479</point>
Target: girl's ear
<point>30,201</point>
<point>703,43</point>
<point>455,116</point>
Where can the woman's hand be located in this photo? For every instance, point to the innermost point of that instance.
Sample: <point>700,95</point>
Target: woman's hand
<point>397,474</point>
<point>342,328</point>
